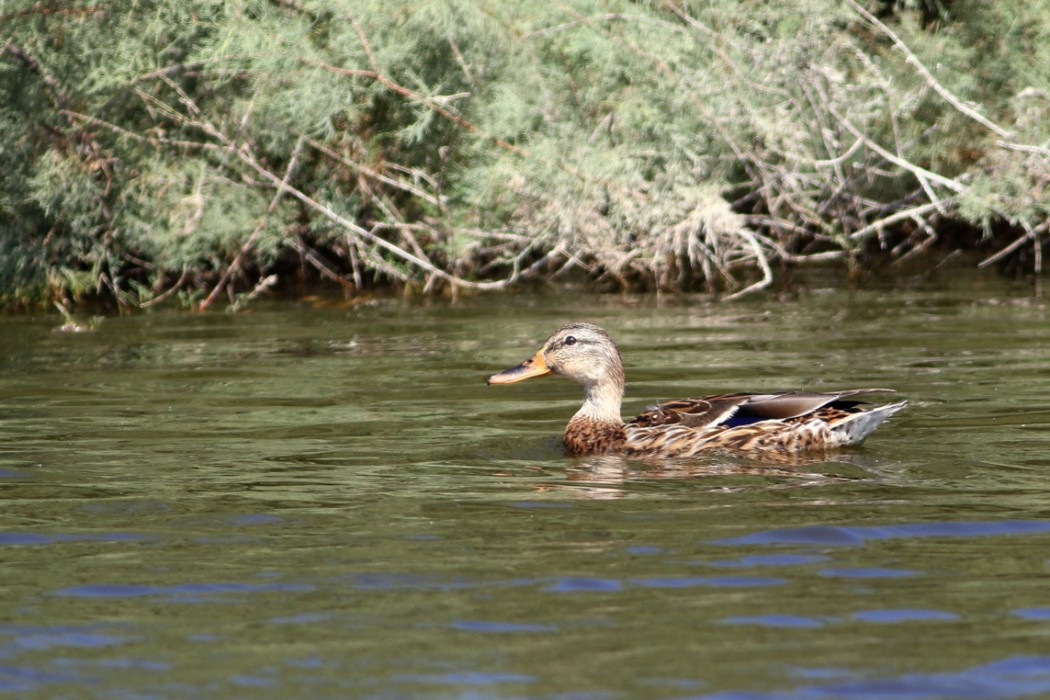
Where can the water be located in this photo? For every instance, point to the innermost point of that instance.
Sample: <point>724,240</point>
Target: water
<point>312,500</point>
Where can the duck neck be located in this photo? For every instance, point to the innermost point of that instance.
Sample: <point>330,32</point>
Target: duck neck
<point>601,403</point>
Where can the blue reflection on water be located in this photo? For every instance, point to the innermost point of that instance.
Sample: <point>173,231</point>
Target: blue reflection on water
<point>411,581</point>
<point>852,535</point>
<point>572,584</point>
<point>904,615</point>
<point>18,639</point>
<point>306,662</point>
<point>147,664</point>
<point>1032,613</point>
<point>254,519</point>
<point>466,678</point>
<point>886,616</point>
<point>252,681</point>
<point>35,637</point>
<point>541,504</point>
<point>1014,676</point>
<point>14,678</point>
<point>684,683</point>
<point>868,572</point>
<point>301,619</point>
<point>775,621</point>
<point>769,560</point>
<point>717,581</point>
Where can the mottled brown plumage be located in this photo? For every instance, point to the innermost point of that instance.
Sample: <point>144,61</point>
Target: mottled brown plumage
<point>794,421</point>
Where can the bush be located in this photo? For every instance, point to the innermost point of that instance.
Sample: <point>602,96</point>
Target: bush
<point>163,148</point>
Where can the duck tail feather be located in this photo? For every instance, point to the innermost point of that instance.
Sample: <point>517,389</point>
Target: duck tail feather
<point>856,428</point>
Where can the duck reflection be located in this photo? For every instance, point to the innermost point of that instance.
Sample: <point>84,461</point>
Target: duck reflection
<point>601,476</point>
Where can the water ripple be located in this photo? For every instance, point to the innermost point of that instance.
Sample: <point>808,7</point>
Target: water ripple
<point>853,535</point>
<point>775,621</point>
<point>1032,613</point>
<point>130,590</point>
<point>904,615</point>
<point>16,678</point>
<point>32,637</point>
<point>466,678</point>
<point>1013,676</point>
<point>34,538</point>
<point>409,581</point>
<point>769,560</point>
<point>717,581</point>
<point>868,572</point>
<point>496,626</point>
<point>572,584</point>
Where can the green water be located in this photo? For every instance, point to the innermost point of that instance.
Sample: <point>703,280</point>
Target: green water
<point>315,501</point>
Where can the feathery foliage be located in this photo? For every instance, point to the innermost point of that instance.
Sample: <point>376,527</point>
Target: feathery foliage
<point>156,148</point>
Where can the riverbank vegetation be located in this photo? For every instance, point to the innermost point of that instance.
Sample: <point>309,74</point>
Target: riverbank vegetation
<point>207,151</point>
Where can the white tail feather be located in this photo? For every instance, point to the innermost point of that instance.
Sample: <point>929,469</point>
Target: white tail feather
<point>856,428</point>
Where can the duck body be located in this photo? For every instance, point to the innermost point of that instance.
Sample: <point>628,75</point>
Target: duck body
<point>788,422</point>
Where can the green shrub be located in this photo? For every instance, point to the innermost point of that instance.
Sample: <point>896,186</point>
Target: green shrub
<point>150,148</point>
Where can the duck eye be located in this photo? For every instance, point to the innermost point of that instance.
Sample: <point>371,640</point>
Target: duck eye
<point>571,340</point>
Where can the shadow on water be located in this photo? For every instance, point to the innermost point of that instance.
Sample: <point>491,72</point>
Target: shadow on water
<point>329,502</point>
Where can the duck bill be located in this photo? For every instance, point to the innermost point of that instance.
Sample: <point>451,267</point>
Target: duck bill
<point>535,366</point>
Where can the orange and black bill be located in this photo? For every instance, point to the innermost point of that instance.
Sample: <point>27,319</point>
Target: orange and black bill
<point>535,366</point>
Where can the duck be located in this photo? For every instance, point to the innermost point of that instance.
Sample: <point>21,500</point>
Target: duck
<point>791,422</point>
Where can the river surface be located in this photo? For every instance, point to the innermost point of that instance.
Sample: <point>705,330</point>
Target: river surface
<point>320,500</point>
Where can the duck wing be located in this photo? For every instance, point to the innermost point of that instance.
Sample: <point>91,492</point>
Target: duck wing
<point>731,410</point>
<point>794,404</point>
<point>693,413</point>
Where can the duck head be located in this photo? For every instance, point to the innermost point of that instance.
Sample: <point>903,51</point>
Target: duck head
<point>584,353</point>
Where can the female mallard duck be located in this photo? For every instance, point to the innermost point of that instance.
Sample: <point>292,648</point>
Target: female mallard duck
<point>795,421</point>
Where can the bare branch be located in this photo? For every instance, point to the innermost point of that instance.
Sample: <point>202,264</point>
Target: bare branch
<point>763,264</point>
<point>894,218</point>
<point>1031,234</point>
<point>918,171</point>
<point>911,58</point>
<point>235,266</point>
<point>369,172</point>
